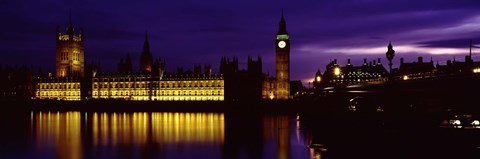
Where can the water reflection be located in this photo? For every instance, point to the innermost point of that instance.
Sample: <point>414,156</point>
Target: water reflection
<point>286,135</point>
<point>166,135</point>
<point>160,128</point>
<point>63,132</point>
<point>59,131</point>
<point>278,127</point>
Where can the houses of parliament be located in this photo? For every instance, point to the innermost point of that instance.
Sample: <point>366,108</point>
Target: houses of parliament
<point>77,80</point>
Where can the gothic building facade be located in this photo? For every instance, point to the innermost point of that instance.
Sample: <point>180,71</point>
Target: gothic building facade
<point>70,55</point>
<point>152,82</point>
<point>242,85</point>
<point>70,66</point>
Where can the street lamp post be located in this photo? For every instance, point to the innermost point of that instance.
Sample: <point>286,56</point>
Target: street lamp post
<point>390,54</point>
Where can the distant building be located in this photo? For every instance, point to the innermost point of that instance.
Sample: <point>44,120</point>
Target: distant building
<point>457,68</point>
<point>335,75</point>
<point>242,85</point>
<point>425,70</point>
<point>415,70</point>
<point>16,83</point>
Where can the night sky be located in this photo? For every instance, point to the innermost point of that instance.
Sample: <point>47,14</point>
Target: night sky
<point>202,31</point>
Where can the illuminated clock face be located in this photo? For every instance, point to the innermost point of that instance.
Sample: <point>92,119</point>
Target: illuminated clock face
<point>282,44</point>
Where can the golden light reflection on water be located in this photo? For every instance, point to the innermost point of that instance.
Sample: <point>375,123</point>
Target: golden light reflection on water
<point>61,131</point>
<point>188,128</point>
<point>157,127</point>
<point>278,127</point>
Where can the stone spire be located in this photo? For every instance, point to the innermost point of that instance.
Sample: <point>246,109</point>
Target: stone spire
<point>146,57</point>
<point>282,28</point>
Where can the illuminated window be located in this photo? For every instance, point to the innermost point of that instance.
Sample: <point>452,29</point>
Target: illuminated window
<point>476,70</point>
<point>336,71</point>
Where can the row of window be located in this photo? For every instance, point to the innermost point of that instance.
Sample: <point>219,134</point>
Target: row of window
<point>59,86</point>
<point>364,77</point>
<point>156,85</point>
<point>75,57</point>
<point>146,78</point>
<point>179,98</point>
<point>155,93</point>
<point>57,93</point>
<point>358,80</point>
<point>136,79</point>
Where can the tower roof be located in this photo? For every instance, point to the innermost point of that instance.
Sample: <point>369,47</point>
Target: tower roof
<point>146,59</point>
<point>146,46</point>
<point>282,28</point>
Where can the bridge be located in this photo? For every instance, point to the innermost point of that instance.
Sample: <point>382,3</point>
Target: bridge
<point>431,94</point>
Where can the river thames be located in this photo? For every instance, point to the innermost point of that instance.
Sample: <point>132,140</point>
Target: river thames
<point>218,135</point>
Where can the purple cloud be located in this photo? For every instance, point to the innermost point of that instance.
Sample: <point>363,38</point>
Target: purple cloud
<point>200,32</point>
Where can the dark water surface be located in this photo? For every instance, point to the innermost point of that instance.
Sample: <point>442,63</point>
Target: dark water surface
<point>216,135</point>
<point>75,134</point>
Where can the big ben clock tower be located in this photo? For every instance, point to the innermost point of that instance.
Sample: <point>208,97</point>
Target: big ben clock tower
<point>282,49</point>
